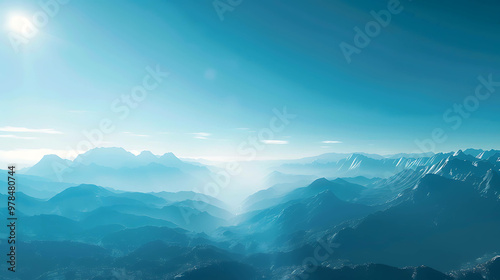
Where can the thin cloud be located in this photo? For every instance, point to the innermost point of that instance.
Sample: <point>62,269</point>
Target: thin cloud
<point>17,137</point>
<point>24,129</point>
<point>201,135</point>
<point>275,142</point>
<point>331,142</point>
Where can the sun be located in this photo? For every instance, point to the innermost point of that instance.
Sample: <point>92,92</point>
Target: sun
<point>19,24</point>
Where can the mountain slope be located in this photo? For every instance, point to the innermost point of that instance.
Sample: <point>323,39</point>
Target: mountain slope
<point>340,188</point>
<point>427,227</point>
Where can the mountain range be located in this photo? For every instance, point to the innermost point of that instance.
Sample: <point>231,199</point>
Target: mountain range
<point>118,168</point>
<point>434,217</point>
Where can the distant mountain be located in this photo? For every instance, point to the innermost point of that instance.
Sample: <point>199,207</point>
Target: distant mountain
<point>189,195</point>
<point>473,152</point>
<point>120,158</point>
<point>183,216</point>
<point>85,198</point>
<point>50,166</point>
<point>278,178</point>
<point>191,218</point>
<point>361,180</point>
<point>275,192</point>
<point>461,166</point>
<point>361,165</point>
<point>490,185</point>
<point>487,154</point>
<point>411,155</point>
<point>204,207</point>
<point>106,216</point>
<point>458,166</point>
<point>117,168</point>
<point>34,186</point>
<point>108,157</point>
<point>145,158</point>
<point>340,188</point>
<point>390,218</point>
<point>279,190</point>
<point>169,159</point>
<point>94,206</point>
<point>320,211</point>
<point>331,157</point>
<point>385,191</point>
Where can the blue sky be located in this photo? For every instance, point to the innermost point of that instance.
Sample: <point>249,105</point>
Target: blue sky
<point>226,77</point>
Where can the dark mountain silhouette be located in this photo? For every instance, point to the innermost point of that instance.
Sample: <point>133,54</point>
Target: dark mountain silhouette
<point>427,228</point>
<point>377,272</point>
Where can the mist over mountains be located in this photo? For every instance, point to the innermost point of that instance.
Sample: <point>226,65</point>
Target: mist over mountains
<point>118,168</point>
<point>118,215</point>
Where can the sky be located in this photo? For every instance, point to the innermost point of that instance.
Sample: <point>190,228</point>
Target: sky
<point>232,68</point>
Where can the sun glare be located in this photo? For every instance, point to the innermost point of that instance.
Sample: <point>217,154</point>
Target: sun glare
<point>19,24</point>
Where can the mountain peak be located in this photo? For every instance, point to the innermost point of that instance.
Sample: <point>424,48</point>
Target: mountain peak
<point>51,157</point>
<point>169,154</point>
<point>146,153</point>
<point>48,166</point>
<point>169,158</point>
<point>462,156</point>
<point>319,182</point>
<point>487,154</point>
<point>113,157</point>
<point>147,156</point>
<point>356,156</point>
<point>473,152</point>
